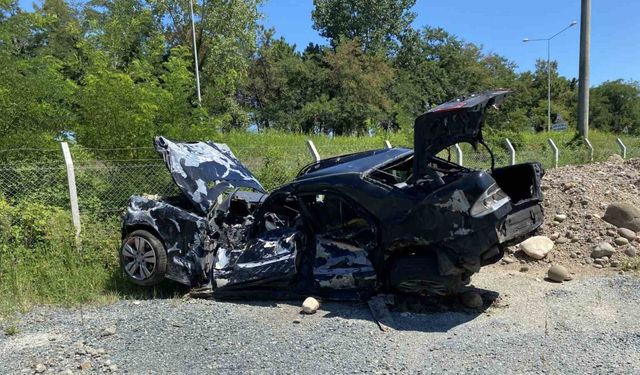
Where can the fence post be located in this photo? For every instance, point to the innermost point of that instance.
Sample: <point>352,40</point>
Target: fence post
<point>586,141</point>
<point>313,150</point>
<point>387,144</point>
<point>458,153</point>
<point>73,193</point>
<point>512,151</point>
<point>556,152</point>
<point>623,148</point>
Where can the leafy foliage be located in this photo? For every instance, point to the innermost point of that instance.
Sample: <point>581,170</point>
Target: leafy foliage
<point>615,106</point>
<point>377,25</point>
<point>118,72</point>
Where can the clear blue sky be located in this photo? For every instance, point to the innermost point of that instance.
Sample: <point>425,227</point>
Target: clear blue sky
<point>500,25</point>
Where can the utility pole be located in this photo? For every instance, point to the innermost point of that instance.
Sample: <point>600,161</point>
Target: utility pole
<point>549,85</point>
<point>583,79</point>
<point>195,52</point>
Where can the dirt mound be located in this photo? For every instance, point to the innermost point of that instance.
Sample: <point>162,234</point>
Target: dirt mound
<point>575,199</point>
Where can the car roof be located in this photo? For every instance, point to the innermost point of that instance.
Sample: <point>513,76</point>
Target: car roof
<point>353,163</point>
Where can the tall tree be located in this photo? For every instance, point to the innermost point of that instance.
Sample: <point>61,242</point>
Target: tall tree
<point>616,106</point>
<point>356,99</point>
<point>376,24</point>
<point>225,39</point>
<point>124,30</point>
<point>275,91</point>
<point>35,96</point>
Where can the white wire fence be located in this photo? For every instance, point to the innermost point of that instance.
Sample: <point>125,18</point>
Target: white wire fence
<point>106,178</point>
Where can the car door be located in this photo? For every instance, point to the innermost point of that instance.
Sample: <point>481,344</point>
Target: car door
<point>344,240</point>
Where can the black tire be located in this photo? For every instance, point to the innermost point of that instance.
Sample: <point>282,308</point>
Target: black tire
<point>419,274</point>
<point>143,258</point>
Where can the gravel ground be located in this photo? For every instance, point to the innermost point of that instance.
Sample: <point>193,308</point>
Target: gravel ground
<point>587,326</point>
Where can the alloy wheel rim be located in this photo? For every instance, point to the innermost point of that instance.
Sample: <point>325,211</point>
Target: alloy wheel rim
<point>139,258</point>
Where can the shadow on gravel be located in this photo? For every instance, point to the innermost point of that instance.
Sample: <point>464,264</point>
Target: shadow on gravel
<point>429,314</point>
<point>408,313</point>
<point>424,314</point>
<point>167,289</point>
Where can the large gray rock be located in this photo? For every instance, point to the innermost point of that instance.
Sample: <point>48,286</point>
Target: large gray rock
<point>621,241</point>
<point>624,215</point>
<point>603,249</point>
<point>627,233</point>
<point>630,251</point>
<point>537,247</point>
<point>558,273</point>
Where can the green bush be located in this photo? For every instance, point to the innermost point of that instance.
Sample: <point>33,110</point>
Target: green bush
<point>41,262</point>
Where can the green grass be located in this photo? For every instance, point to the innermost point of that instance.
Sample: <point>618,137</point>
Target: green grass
<point>42,267</point>
<point>11,330</point>
<point>631,264</point>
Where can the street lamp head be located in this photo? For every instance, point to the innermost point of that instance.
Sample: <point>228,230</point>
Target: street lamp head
<point>573,23</point>
<point>525,40</point>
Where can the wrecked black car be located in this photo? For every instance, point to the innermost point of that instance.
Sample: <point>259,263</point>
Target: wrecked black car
<point>389,220</point>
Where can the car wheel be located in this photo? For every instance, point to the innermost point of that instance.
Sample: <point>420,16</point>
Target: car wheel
<point>418,274</point>
<point>143,258</point>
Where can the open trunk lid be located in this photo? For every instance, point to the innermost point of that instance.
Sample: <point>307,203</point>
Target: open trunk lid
<point>456,121</point>
<point>204,170</point>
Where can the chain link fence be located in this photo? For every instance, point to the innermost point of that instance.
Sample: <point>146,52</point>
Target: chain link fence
<point>106,178</point>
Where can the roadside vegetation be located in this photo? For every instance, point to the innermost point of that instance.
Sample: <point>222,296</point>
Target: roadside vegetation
<point>42,263</point>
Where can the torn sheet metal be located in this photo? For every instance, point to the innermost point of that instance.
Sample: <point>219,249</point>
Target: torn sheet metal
<point>341,263</point>
<point>204,170</point>
<point>267,258</point>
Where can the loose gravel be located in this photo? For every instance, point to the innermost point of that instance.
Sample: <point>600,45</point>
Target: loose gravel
<point>585,326</point>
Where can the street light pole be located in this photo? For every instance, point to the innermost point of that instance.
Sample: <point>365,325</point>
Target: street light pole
<point>549,85</point>
<point>195,52</point>
<point>548,40</point>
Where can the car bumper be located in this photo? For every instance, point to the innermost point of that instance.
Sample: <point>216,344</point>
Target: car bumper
<point>519,222</point>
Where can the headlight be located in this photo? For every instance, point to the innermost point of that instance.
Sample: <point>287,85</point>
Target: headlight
<point>491,200</point>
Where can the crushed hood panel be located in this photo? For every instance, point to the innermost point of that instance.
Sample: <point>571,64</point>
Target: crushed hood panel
<point>204,170</point>
<point>456,121</point>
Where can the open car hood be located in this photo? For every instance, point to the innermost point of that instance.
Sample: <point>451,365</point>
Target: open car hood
<point>204,170</point>
<point>456,121</point>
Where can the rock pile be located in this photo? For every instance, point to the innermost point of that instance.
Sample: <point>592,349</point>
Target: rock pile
<point>592,216</point>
